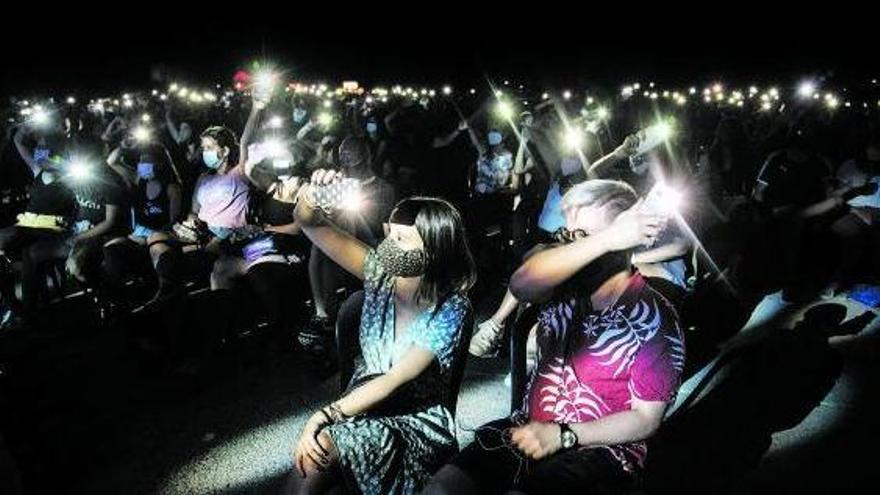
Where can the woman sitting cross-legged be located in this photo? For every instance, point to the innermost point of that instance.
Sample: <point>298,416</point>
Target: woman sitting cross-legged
<point>391,429</point>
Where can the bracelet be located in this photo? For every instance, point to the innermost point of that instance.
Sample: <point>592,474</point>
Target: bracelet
<point>335,413</point>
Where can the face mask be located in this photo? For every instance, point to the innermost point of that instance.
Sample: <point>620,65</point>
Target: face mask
<point>299,115</point>
<point>372,128</point>
<point>398,262</point>
<point>48,177</point>
<point>494,138</point>
<point>145,171</point>
<point>211,159</point>
<point>41,154</point>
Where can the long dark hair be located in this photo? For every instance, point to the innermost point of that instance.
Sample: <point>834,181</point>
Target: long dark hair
<point>449,267</point>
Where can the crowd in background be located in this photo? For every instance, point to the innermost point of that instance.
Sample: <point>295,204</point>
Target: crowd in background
<point>180,189</point>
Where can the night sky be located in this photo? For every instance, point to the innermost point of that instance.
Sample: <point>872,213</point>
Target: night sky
<point>72,51</point>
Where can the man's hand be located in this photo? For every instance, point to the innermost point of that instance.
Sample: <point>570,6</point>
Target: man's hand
<point>537,440</point>
<point>632,228</point>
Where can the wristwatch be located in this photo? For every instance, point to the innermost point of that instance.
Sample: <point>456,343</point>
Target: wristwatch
<point>567,436</point>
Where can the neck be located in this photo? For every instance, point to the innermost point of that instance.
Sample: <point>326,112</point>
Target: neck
<point>610,290</point>
<point>406,288</point>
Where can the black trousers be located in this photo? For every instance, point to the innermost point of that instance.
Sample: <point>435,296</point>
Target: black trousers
<point>495,466</point>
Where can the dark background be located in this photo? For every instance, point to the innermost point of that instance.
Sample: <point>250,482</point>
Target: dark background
<point>79,50</point>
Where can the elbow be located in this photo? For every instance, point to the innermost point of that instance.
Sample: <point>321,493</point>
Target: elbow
<point>524,287</point>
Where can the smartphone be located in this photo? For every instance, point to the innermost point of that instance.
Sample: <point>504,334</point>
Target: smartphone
<point>332,196</point>
<point>651,137</point>
<point>662,199</point>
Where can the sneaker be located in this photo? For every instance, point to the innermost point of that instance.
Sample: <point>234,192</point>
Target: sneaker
<point>487,341</point>
<point>316,337</point>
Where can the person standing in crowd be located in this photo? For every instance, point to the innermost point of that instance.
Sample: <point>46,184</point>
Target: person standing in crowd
<point>377,197</point>
<point>392,428</point>
<point>487,340</point>
<point>610,357</point>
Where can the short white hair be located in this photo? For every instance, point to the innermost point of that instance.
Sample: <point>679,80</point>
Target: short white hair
<point>617,195</point>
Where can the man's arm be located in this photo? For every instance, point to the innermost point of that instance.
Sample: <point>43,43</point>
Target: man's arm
<point>541,273</point>
<point>599,168</point>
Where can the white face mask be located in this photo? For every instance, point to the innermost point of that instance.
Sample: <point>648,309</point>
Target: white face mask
<point>48,177</point>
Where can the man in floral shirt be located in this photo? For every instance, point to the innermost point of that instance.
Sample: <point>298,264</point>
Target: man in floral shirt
<point>610,356</point>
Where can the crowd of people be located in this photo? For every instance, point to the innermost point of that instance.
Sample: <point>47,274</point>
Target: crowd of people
<point>640,226</point>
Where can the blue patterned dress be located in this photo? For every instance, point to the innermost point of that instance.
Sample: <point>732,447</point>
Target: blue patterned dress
<point>397,448</point>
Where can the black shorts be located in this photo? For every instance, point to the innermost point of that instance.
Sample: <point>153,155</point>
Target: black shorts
<point>495,466</point>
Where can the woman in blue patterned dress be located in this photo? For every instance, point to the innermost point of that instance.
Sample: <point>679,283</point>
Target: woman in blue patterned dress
<point>392,428</point>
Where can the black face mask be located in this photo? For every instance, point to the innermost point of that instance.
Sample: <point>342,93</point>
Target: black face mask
<point>398,262</point>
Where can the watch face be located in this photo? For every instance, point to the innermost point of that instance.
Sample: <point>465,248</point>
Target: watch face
<point>568,439</point>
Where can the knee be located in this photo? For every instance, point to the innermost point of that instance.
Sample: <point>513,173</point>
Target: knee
<point>449,480</point>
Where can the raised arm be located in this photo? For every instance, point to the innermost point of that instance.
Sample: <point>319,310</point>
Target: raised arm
<point>340,246</point>
<point>546,270</point>
<point>600,167</point>
<point>25,151</point>
<point>247,134</point>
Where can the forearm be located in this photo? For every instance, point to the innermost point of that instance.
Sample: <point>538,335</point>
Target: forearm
<point>304,131</point>
<point>821,208</point>
<point>618,428</point>
<point>248,133</point>
<point>288,229</point>
<point>367,396</point>
<point>444,141</point>
<point>25,152</point>
<point>550,268</point>
<point>98,230</point>
<point>172,128</point>
<point>338,245</point>
<point>665,252</point>
<point>600,166</point>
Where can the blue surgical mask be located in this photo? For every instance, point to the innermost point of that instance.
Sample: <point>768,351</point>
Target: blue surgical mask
<point>494,138</point>
<point>211,159</point>
<point>299,115</point>
<point>41,154</point>
<point>48,177</point>
<point>145,170</point>
<point>372,128</point>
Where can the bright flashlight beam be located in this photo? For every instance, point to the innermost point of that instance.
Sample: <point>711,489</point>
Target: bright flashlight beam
<point>505,110</point>
<point>806,89</point>
<point>353,201</point>
<point>573,138</point>
<point>79,170</point>
<point>273,147</point>
<point>141,133</point>
<point>264,80</point>
<point>40,117</point>
<point>325,119</point>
